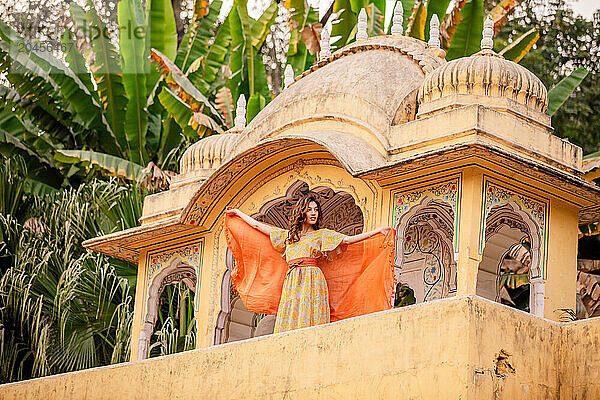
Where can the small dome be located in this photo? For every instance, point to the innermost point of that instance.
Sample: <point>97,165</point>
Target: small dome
<point>208,153</point>
<point>483,74</point>
<point>488,75</point>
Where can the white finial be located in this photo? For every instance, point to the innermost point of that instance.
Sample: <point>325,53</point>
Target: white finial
<point>288,76</point>
<point>240,114</point>
<point>434,32</point>
<point>398,19</point>
<point>361,26</point>
<point>487,43</point>
<point>325,50</point>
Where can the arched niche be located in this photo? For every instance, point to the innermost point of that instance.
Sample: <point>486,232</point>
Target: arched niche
<point>508,230</point>
<point>425,260</point>
<point>340,213</point>
<point>176,271</point>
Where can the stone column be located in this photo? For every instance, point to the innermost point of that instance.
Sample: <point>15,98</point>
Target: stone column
<point>140,297</point>
<point>470,226</point>
<point>561,266</point>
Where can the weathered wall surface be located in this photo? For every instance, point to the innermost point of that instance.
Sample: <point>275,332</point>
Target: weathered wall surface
<point>458,348</point>
<point>580,360</point>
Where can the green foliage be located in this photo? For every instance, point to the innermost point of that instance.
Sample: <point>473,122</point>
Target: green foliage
<point>109,110</point>
<point>176,327</point>
<point>438,7</point>
<point>63,308</point>
<point>467,38</point>
<point>520,46</point>
<point>418,20</point>
<point>180,112</point>
<point>135,70</point>
<point>345,24</point>
<point>564,89</point>
<point>114,165</point>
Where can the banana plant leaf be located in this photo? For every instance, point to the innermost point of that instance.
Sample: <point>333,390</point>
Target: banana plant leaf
<point>30,108</point>
<point>450,22</point>
<point>343,24</point>
<point>298,20</point>
<point>106,70</point>
<point>521,46</point>
<point>262,26</point>
<point>181,112</point>
<point>115,165</point>
<point>438,7</point>
<point>375,20</point>
<point>204,77</point>
<point>241,61</point>
<point>467,38</point>
<point>162,33</point>
<point>513,281</point>
<point>74,94</point>
<point>563,89</point>
<point>248,75</point>
<point>195,42</point>
<point>418,18</point>
<point>39,167</point>
<point>224,102</point>
<point>501,11</point>
<point>77,63</point>
<point>298,56</point>
<point>135,70</point>
<point>38,188</point>
<point>186,91</point>
<point>255,104</point>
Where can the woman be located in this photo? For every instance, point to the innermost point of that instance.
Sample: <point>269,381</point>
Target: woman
<point>326,275</point>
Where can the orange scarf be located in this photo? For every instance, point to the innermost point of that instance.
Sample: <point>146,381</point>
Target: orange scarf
<point>360,280</point>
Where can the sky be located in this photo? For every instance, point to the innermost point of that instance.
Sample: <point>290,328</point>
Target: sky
<point>585,8</point>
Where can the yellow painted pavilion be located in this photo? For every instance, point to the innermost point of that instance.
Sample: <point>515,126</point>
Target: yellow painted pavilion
<point>458,156</point>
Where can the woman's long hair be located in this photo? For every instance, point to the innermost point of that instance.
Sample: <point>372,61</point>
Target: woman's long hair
<point>299,216</point>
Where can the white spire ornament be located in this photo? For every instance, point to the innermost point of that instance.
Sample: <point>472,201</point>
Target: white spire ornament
<point>487,42</point>
<point>325,50</point>
<point>434,32</point>
<point>240,114</point>
<point>398,19</point>
<point>288,76</point>
<point>361,26</point>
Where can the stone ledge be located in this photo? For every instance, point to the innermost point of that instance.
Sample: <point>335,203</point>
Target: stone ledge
<point>463,347</point>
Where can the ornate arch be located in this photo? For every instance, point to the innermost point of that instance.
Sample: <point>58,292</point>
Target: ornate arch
<point>176,271</point>
<point>427,229</point>
<point>340,212</point>
<point>510,213</point>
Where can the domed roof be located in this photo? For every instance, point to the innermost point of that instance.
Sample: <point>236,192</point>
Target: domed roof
<point>365,82</point>
<point>484,74</point>
<point>208,153</point>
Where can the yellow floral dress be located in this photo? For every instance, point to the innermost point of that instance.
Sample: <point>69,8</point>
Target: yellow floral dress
<point>304,297</point>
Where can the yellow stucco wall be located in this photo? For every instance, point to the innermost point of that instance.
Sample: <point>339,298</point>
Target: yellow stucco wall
<point>443,349</point>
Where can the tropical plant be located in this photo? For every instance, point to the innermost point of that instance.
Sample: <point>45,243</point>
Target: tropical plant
<point>99,108</point>
<point>238,40</point>
<point>63,308</point>
<point>175,330</point>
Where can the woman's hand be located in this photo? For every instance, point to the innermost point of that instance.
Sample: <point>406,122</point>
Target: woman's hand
<point>264,228</point>
<point>232,212</point>
<point>384,230</point>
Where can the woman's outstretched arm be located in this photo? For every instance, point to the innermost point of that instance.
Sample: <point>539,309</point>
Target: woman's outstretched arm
<point>365,235</point>
<point>264,228</point>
